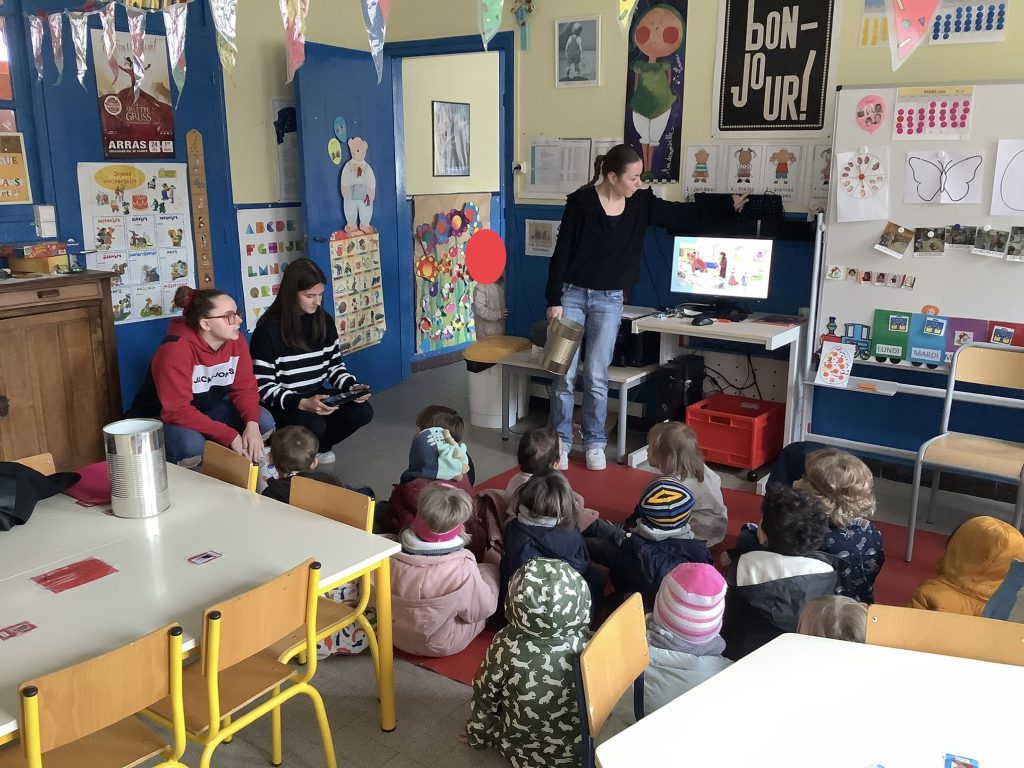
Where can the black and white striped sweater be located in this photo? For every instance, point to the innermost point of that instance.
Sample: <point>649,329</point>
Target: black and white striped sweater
<point>285,375</point>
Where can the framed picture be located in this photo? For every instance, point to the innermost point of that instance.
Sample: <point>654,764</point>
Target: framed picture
<point>451,138</point>
<point>578,52</point>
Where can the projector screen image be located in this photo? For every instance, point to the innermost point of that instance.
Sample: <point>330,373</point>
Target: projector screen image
<point>721,266</point>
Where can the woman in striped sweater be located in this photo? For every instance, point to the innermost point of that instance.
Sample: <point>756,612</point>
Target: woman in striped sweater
<point>297,361</point>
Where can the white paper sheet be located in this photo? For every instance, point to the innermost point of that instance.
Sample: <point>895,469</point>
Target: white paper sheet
<point>836,364</point>
<point>1008,182</point>
<point>948,178</point>
<point>862,185</point>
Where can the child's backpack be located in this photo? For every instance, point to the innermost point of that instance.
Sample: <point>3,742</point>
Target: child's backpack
<point>492,516</point>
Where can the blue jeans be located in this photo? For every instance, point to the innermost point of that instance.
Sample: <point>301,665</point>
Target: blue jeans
<point>183,443</point>
<point>600,313</point>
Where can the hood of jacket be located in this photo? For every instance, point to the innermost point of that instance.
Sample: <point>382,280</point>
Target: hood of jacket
<point>548,598</point>
<point>979,554</point>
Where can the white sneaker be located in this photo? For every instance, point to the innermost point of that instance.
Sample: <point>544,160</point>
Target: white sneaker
<point>595,459</point>
<point>327,457</point>
<point>563,461</point>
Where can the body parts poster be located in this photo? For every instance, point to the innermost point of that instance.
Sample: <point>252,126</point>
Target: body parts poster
<point>443,225</point>
<point>268,239</point>
<point>654,87</point>
<point>358,293</point>
<point>785,171</point>
<point>772,66</point>
<point>742,168</point>
<point>701,173</point>
<point>133,127</point>
<point>137,224</point>
<point>820,176</point>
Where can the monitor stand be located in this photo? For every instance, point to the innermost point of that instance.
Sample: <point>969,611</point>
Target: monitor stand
<point>723,308</point>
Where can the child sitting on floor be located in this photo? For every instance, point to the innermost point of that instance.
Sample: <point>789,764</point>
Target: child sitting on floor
<point>446,418</point>
<point>293,453</point>
<point>977,558</point>
<point>683,637</point>
<point>545,525</point>
<point>434,455</point>
<point>672,449</point>
<point>659,540</point>
<point>441,597</point>
<point>836,617</point>
<point>524,695</point>
<point>768,588</point>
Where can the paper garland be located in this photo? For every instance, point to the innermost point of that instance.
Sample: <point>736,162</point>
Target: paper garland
<point>137,30</point>
<point>293,14</point>
<point>56,23</point>
<point>175,21</point>
<point>375,18</point>
<point>80,40</point>
<point>109,35</point>
<point>488,19</point>
<point>36,26</point>
<point>224,19</point>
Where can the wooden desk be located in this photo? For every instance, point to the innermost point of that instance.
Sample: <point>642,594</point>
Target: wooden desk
<point>748,331</point>
<point>775,707</point>
<point>258,537</point>
<point>529,362</point>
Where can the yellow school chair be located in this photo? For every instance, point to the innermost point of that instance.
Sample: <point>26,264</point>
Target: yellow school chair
<point>614,659</point>
<point>228,466</point>
<point>41,462</point>
<point>85,714</point>
<point>236,666</point>
<point>993,365</point>
<point>351,508</point>
<point>948,634</point>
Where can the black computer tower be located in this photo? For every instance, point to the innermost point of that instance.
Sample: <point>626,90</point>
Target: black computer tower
<point>677,384</point>
<point>634,350</point>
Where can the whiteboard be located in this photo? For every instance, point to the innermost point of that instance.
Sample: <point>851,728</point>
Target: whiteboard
<point>955,298</point>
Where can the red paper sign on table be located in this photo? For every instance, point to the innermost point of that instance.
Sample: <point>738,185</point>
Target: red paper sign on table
<point>74,575</point>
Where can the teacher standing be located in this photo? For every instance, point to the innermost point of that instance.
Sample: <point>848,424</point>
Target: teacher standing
<point>598,256</point>
<point>296,353</point>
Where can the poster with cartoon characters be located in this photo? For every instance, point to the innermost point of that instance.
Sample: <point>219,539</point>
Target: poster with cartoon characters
<point>269,239</point>
<point>443,224</point>
<point>137,224</point>
<point>358,293</point>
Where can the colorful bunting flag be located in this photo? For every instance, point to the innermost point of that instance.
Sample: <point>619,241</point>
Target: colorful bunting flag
<point>488,18</point>
<point>175,19</point>
<point>375,17</point>
<point>36,27</point>
<point>293,14</point>
<point>79,21</point>
<point>137,30</point>
<point>109,44</point>
<point>909,21</point>
<point>626,8</point>
<point>224,19</point>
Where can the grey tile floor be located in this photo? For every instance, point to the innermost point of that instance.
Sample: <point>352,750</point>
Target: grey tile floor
<point>431,708</point>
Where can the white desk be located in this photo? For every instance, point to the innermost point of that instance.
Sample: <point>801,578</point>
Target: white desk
<point>747,331</point>
<point>891,707</point>
<point>258,537</point>
<point>529,362</point>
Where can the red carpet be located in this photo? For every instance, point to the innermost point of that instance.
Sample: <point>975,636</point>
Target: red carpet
<point>614,494</point>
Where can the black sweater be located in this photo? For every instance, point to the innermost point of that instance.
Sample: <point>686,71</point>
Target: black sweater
<point>592,253</point>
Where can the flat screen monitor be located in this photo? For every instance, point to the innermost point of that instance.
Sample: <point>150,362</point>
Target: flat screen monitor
<point>727,267</point>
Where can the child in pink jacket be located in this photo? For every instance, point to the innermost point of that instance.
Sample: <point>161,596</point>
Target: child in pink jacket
<point>441,597</point>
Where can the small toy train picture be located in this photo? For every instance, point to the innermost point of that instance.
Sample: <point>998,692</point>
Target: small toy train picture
<point>917,338</point>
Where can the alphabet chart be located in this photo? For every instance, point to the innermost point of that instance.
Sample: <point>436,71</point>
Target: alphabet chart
<point>938,113</point>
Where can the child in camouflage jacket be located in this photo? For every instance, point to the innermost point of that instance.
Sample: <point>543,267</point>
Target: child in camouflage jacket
<point>524,696</point>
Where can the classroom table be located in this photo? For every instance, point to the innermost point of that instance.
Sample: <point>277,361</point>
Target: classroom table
<point>808,701</point>
<point>154,585</point>
<point>776,334</point>
<point>528,362</point>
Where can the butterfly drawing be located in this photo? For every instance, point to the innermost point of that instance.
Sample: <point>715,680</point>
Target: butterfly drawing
<point>947,179</point>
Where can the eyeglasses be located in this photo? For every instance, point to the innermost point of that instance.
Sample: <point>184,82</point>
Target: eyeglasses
<point>232,317</point>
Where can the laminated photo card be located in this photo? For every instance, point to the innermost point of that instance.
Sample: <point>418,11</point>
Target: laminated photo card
<point>929,242</point>
<point>895,240</point>
<point>1015,248</point>
<point>991,242</point>
<point>960,238</point>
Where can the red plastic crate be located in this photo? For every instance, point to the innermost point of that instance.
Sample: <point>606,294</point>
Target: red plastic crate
<point>737,431</point>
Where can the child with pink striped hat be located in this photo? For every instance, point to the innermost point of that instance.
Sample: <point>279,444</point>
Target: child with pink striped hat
<point>683,635</point>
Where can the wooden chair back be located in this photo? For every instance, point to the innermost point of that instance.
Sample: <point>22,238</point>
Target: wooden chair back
<point>992,365</point>
<point>949,634</point>
<point>255,620</point>
<point>78,701</point>
<point>228,466</point>
<point>333,502</point>
<point>614,658</point>
<point>41,462</point>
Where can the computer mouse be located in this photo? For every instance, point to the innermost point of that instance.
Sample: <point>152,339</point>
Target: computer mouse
<point>702,320</point>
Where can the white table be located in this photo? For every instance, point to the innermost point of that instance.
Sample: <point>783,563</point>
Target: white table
<point>529,362</point>
<point>258,537</point>
<point>775,707</point>
<point>747,331</point>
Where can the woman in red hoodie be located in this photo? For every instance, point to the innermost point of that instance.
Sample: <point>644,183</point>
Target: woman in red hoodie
<point>201,384</point>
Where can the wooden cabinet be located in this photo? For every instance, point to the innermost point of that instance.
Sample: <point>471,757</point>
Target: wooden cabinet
<point>59,382</point>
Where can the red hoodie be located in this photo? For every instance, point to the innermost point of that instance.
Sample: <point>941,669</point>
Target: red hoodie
<point>187,378</point>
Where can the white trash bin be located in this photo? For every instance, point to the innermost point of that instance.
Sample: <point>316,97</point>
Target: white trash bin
<point>485,398</point>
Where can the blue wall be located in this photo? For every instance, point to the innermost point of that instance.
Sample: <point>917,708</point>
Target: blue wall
<point>67,132</point>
